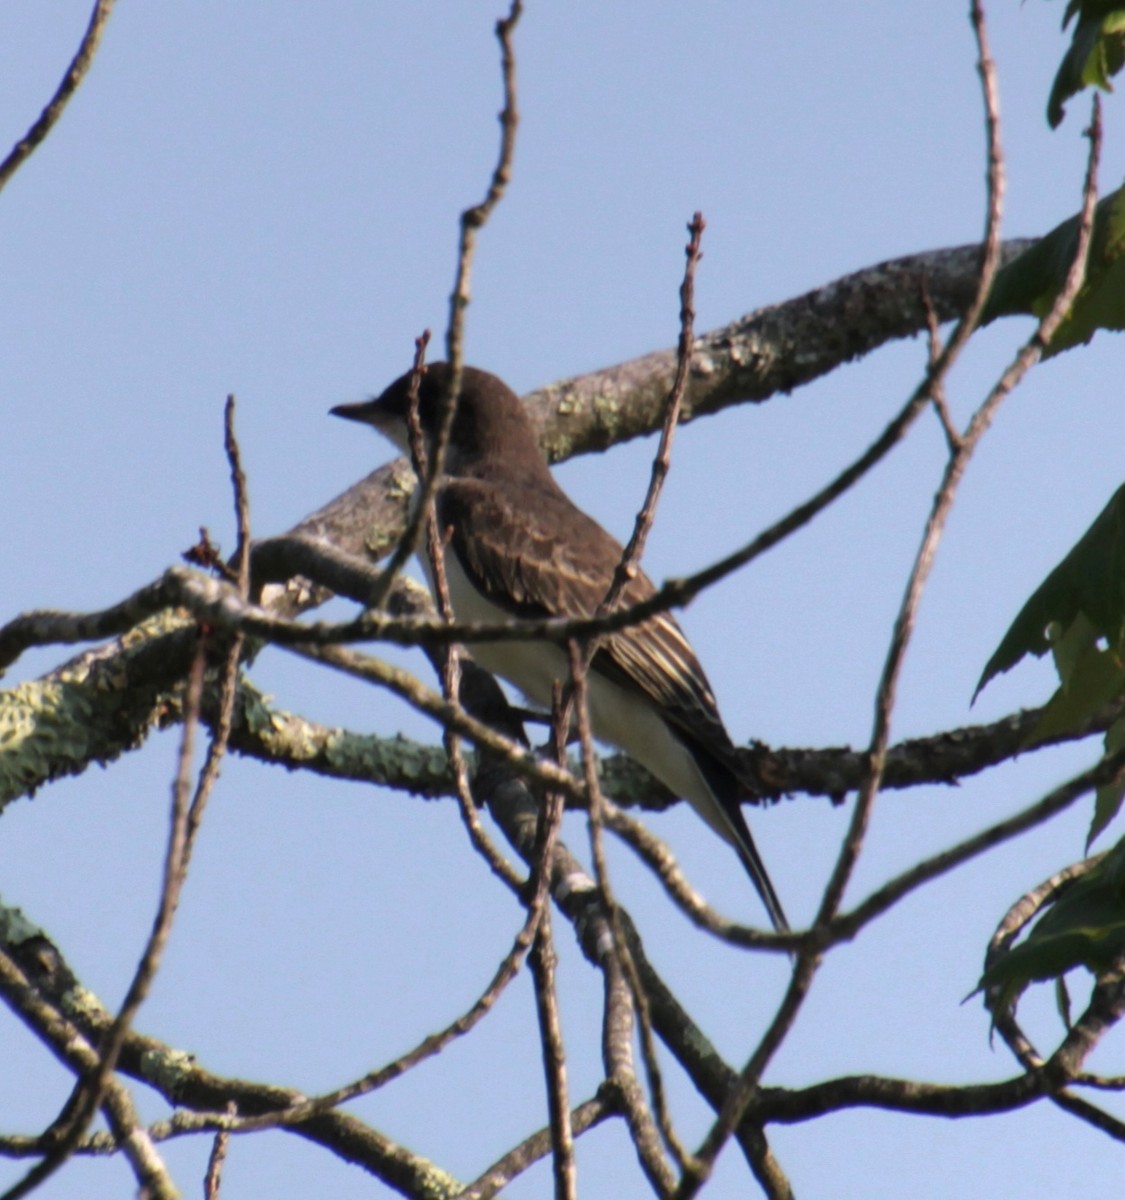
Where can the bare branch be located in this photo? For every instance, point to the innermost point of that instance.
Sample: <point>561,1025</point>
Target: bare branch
<point>542,963</point>
<point>75,73</point>
<point>91,1088</point>
<point>848,924</point>
<point>185,822</point>
<point>809,955</point>
<point>403,684</point>
<point>75,1049</point>
<point>773,350</point>
<point>430,1046</point>
<point>212,1181</point>
<point>662,462</point>
<point>474,218</point>
<point>618,1011</point>
<point>532,1149</point>
<point>38,998</point>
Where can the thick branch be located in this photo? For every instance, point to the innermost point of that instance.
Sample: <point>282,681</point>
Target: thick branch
<point>773,349</point>
<point>50,999</point>
<point>76,723</point>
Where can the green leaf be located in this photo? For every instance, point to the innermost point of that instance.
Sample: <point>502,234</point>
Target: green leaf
<point>1090,581</point>
<point>1107,802</point>
<point>1091,677</point>
<point>1029,284</point>
<point>1062,1001</point>
<point>1085,927</point>
<point>1074,649</point>
<point>1096,52</point>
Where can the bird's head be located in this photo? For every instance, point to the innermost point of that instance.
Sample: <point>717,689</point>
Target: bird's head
<point>488,418</point>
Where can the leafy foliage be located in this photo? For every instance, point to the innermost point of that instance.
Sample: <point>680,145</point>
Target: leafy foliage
<point>1096,52</point>
<point>1088,583</point>
<point>1078,613</point>
<point>1084,927</point>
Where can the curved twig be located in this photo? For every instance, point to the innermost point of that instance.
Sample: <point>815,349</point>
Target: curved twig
<point>75,73</point>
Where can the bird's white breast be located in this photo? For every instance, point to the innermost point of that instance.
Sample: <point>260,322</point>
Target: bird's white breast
<point>621,718</point>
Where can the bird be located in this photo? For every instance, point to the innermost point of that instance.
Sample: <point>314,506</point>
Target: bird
<point>515,545</point>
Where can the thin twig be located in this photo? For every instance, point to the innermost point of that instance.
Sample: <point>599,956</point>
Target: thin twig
<point>810,955</point>
<point>847,925</point>
<point>532,1149</point>
<point>241,500</point>
<point>653,1074</point>
<point>185,823</point>
<point>451,667</point>
<point>542,963</point>
<point>617,1028</point>
<point>904,621</point>
<point>662,461</point>
<point>475,217</point>
<point>472,219</point>
<point>411,535</point>
<point>1081,1108</point>
<point>952,434</point>
<point>656,855</point>
<point>428,1047</point>
<point>87,1096</point>
<point>618,966</point>
<point>75,73</point>
<point>228,684</point>
<point>212,1180</point>
<point>1108,1083</point>
<point>433,704</point>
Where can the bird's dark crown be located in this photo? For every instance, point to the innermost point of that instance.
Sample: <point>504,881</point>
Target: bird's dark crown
<point>489,417</point>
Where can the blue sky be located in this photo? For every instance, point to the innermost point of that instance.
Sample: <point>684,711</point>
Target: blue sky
<point>262,199</point>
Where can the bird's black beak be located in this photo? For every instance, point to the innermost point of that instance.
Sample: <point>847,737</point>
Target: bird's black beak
<point>364,412</point>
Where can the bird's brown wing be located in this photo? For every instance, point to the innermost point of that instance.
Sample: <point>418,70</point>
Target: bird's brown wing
<point>508,542</point>
<point>525,546</point>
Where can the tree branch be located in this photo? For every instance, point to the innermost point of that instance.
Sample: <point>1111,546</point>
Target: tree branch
<point>75,73</point>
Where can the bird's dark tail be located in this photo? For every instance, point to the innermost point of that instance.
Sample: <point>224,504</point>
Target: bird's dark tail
<point>728,789</point>
<point>756,869</point>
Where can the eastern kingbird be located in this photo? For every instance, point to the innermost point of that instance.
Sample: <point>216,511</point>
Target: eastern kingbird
<point>517,547</point>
